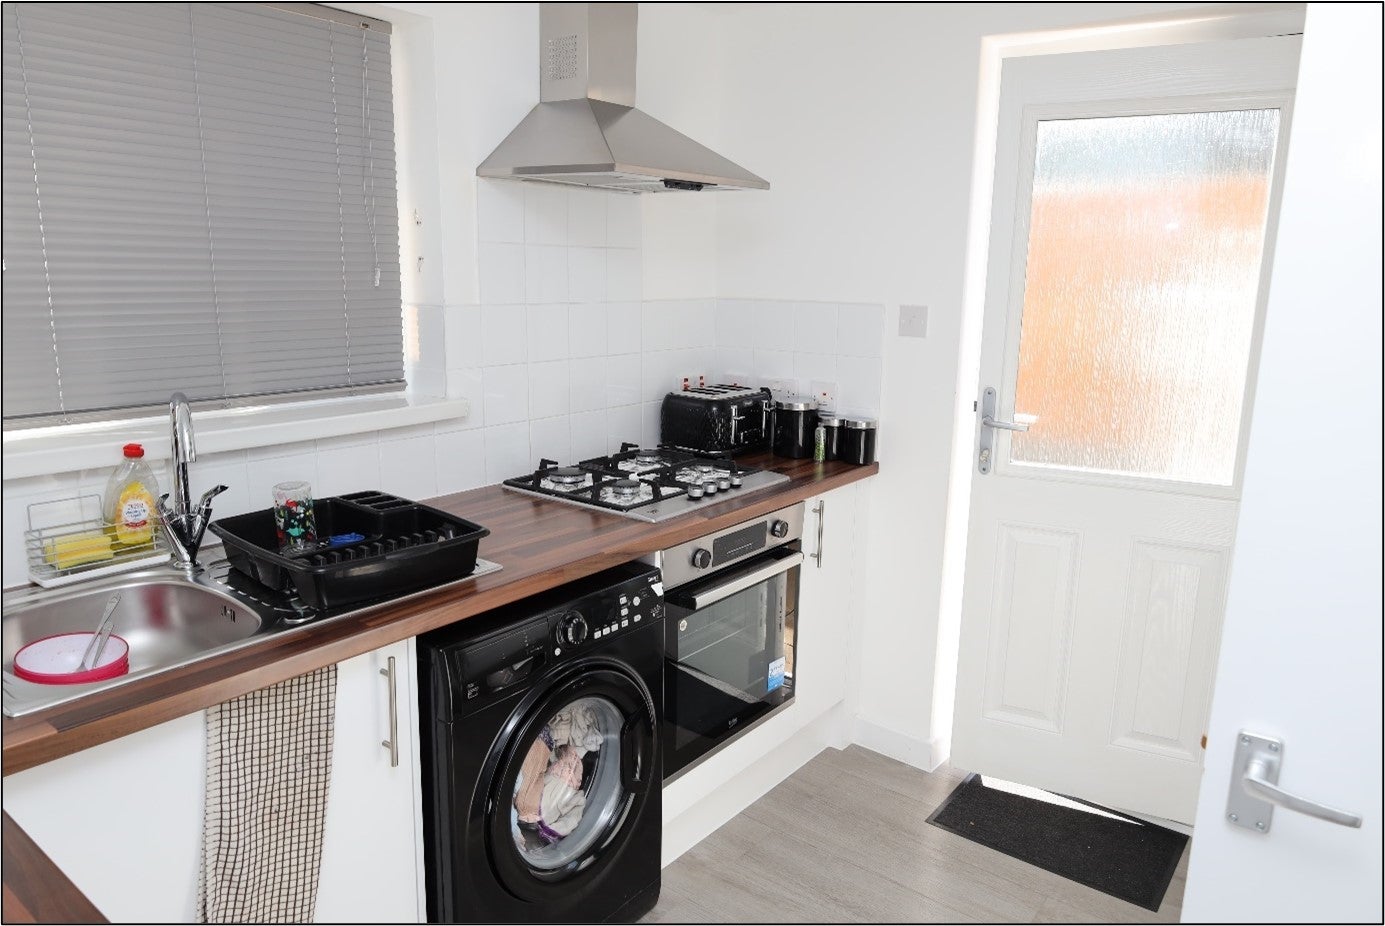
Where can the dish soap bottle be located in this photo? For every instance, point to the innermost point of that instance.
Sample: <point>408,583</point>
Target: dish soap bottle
<point>130,493</point>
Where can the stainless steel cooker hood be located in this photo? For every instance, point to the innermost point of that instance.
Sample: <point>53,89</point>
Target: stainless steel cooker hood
<point>586,129</point>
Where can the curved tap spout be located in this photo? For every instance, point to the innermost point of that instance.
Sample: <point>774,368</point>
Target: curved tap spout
<point>184,451</point>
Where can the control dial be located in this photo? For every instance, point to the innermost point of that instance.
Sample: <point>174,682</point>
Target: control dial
<point>779,528</point>
<point>701,558</point>
<point>572,628</point>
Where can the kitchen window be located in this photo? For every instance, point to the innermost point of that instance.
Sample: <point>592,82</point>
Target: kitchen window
<point>197,197</point>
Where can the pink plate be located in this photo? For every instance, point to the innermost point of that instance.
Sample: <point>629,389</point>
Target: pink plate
<point>54,660</point>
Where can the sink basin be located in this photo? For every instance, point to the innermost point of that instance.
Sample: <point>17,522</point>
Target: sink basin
<point>167,618</point>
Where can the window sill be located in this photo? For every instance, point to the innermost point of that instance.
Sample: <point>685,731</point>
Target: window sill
<point>68,448</point>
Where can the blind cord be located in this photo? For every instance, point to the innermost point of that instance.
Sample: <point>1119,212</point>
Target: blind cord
<point>341,218</point>
<point>38,201</point>
<point>368,199</point>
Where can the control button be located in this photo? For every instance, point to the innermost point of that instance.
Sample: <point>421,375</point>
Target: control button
<point>636,601</point>
<point>625,623</point>
<point>637,618</point>
<point>557,651</point>
<point>572,629</point>
<point>701,559</point>
<point>779,528</point>
<point>624,612</point>
<point>724,483</point>
<point>600,632</point>
<point>623,599</point>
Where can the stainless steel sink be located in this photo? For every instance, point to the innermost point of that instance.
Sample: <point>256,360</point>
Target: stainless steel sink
<point>170,618</point>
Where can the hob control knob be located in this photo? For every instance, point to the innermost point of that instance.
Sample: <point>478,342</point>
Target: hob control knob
<point>701,559</point>
<point>572,629</point>
<point>779,528</point>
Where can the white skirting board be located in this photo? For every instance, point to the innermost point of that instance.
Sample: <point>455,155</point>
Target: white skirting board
<point>920,753</point>
<point>700,802</point>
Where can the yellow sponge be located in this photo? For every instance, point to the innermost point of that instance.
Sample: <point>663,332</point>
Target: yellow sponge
<point>78,549</point>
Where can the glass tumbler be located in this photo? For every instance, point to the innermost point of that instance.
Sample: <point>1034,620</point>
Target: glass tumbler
<point>293,516</point>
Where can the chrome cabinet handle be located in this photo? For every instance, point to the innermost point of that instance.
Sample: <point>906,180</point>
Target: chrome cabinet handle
<point>1255,790</point>
<point>990,422</point>
<point>392,744</point>
<point>820,509</point>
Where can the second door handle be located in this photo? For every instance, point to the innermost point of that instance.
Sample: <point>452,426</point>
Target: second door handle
<point>392,744</point>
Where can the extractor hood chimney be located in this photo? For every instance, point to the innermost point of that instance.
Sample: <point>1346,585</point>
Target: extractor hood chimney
<point>586,130</point>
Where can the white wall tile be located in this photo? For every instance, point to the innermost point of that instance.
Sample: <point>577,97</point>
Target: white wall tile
<point>468,384</point>
<point>545,273</point>
<point>507,451</point>
<point>736,360</point>
<point>773,364</point>
<point>623,424</point>
<point>660,325</point>
<point>587,376</point>
<point>461,460</point>
<point>586,218</point>
<point>858,381</point>
<point>735,321</point>
<point>772,326</point>
<point>586,330</point>
<point>622,379</point>
<point>548,389</point>
<point>623,220</point>
<point>229,469</point>
<point>586,275</point>
<point>658,371</point>
<point>430,340</point>
<point>506,394</point>
<point>623,328</point>
<point>550,438</point>
<point>623,275</point>
<point>463,336</point>
<point>409,468</point>
<point>500,210</point>
<point>860,330</point>
<point>548,332</point>
<point>815,327</point>
<point>588,434</point>
<point>545,214</point>
<point>347,469</point>
<point>810,367</point>
<point>503,334</point>
<point>649,423</point>
<point>426,381</point>
<point>501,272</point>
<point>291,449</point>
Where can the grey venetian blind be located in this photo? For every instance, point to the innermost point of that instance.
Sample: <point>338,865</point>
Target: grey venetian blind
<point>197,197</point>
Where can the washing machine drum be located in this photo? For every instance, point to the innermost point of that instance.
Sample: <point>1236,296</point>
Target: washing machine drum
<point>572,782</point>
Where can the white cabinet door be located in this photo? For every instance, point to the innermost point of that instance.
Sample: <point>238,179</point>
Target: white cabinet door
<point>122,817</point>
<point>371,854</point>
<point>823,636</point>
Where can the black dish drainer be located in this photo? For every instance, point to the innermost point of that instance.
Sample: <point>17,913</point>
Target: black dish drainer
<point>405,547</point>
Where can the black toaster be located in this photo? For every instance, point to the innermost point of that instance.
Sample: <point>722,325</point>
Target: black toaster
<point>716,420</point>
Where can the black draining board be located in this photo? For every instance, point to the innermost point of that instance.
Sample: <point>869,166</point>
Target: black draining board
<point>406,547</point>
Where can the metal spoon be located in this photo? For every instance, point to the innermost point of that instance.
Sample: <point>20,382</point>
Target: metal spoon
<point>103,633</point>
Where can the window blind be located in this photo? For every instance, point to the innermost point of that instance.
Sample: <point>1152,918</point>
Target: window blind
<point>197,197</point>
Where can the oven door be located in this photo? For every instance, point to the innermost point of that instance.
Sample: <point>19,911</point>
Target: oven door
<point>730,654</point>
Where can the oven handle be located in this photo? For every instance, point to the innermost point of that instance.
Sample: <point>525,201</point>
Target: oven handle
<point>739,584</point>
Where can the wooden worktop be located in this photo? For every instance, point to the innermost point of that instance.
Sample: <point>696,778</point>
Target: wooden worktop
<point>540,544</point>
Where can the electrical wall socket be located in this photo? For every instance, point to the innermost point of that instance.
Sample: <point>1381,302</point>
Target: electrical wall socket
<point>825,393</point>
<point>913,321</point>
<point>781,386</point>
<point>733,378</point>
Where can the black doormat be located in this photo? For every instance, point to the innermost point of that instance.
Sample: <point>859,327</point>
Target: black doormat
<point>1125,857</point>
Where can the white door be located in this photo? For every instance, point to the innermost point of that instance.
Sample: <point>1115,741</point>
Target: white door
<point>1132,226</point>
<point>1300,657</point>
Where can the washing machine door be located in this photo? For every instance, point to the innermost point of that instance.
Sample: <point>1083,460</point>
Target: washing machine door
<point>574,776</point>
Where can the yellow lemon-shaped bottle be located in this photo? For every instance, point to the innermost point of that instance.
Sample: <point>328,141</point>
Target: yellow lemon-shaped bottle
<point>129,500</point>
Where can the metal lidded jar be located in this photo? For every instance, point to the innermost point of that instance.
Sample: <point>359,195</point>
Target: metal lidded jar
<point>857,444</point>
<point>795,419</point>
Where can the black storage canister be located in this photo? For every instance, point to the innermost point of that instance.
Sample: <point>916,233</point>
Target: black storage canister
<point>832,429</point>
<point>795,419</point>
<point>857,444</point>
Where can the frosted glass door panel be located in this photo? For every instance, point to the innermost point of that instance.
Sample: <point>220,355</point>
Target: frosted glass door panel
<point>1146,236</point>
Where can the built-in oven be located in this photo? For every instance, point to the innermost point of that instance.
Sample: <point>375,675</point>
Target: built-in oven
<point>731,605</point>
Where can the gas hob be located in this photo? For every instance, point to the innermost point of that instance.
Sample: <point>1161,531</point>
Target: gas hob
<point>642,483</point>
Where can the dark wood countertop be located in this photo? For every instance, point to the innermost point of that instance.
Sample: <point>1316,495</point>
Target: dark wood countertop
<point>540,545</point>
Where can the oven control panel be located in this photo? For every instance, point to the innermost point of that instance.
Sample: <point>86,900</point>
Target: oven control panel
<point>702,556</point>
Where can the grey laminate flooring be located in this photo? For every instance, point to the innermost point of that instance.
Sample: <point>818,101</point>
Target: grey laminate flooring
<point>844,840</point>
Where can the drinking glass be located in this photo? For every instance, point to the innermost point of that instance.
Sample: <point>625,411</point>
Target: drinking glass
<point>293,516</point>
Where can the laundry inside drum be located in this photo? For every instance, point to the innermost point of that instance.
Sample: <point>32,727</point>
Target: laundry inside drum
<point>569,789</point>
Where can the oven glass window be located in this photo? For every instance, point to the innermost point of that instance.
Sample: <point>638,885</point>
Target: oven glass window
<point>734,658</point>
<point>569,788</point>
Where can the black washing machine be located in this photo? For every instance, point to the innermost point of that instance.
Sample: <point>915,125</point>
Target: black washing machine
<point>542,779</point>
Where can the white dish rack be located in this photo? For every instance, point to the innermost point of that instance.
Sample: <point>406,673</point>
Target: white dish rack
<point>50,522</point>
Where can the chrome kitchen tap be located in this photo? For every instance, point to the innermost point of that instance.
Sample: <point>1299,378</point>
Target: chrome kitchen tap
<point>183,523</point>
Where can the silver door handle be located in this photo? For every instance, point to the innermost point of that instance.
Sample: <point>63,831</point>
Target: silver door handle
<point>1255,790</point>
<point>990,422</point>
<point>820,509</point>
<point>392,744</point>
